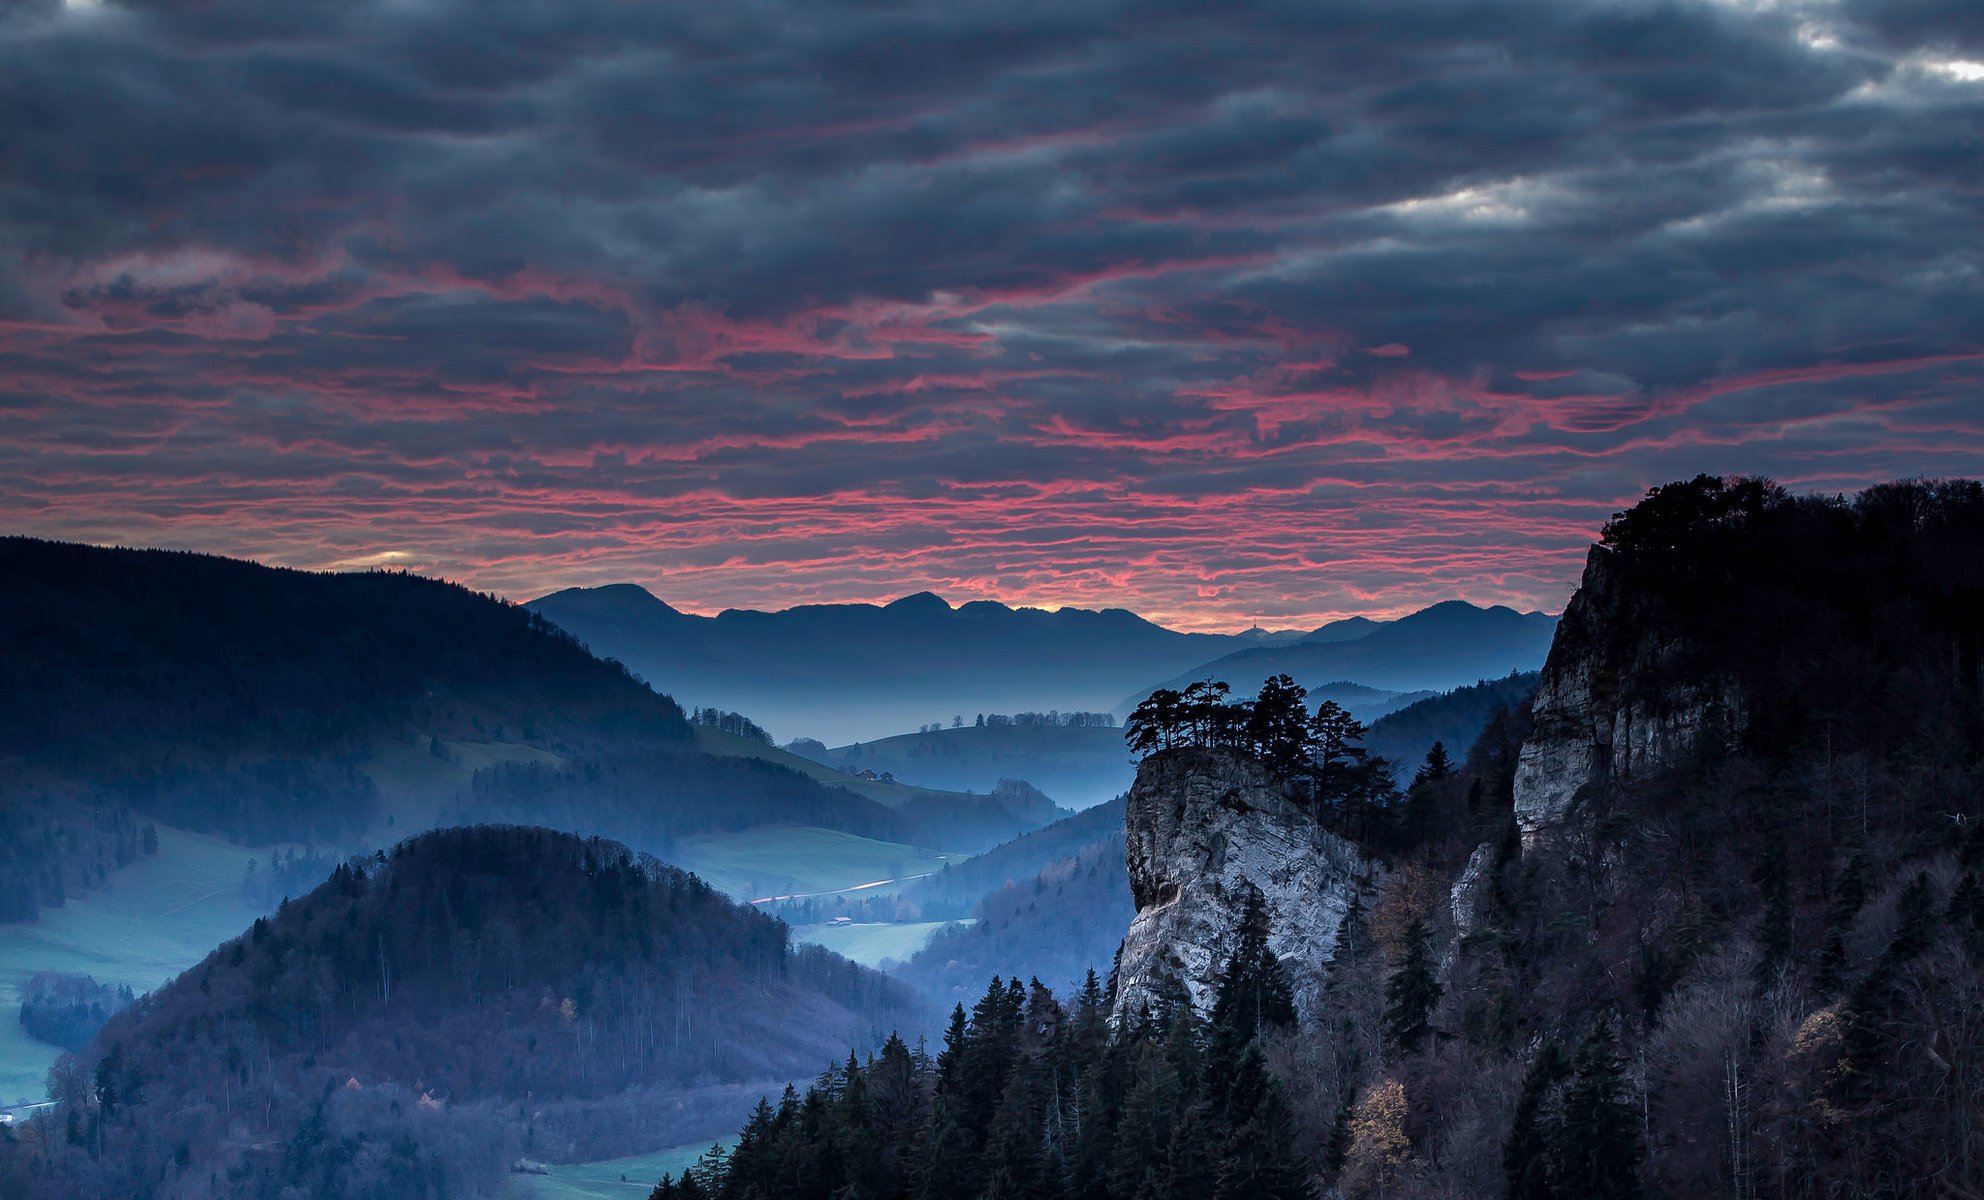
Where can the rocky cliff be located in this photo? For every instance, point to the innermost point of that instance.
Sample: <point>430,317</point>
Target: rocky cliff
<point>1610,706</point>
<point>1203,828</point>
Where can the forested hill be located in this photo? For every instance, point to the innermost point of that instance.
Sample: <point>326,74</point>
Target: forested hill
<point>421,1019</point>
<point>114,662</point>
<point>256,703</point>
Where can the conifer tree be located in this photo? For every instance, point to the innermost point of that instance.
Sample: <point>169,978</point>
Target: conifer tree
<point>1138,1162</point>
<point>1191,1166</point>
<point>1254,993</point>
<point>1438,765</point>
<point>1526,1152</point>
<point>1278,726</point>
<point>1258,1161</point>
<point>1012,1144</point>
<point>1411,992</point>
<point>1595,1150</point>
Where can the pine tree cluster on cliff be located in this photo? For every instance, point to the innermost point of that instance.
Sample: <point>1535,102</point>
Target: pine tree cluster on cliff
<point>1033,1099</point>
<point>1352,790</point>
<point>431,1014</point>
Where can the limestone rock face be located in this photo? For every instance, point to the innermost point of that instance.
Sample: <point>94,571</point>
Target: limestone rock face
<point>1202,828</point>
<point>1590,729</point>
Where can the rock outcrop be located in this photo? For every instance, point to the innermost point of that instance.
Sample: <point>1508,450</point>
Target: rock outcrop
<point>1203,829</point>
<point>1592,729</point>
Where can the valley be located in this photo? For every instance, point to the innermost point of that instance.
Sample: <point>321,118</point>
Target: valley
<point>644,924</point>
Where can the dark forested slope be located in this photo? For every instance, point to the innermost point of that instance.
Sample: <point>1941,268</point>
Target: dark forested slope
<point>519,983</point>
<point>119,661</point>
<point>233,698</point>
<point>228,697</point>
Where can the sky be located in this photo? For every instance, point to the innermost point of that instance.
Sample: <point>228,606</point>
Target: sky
<point>1224,313</point>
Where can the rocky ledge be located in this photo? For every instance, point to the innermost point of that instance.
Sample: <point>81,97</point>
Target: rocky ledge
<point>1203,829</point>
<point>1591,730</point>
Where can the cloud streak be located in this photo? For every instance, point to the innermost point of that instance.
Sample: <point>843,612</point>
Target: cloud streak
<point>1223,315</point>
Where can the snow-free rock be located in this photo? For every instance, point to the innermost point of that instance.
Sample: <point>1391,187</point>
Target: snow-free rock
<point>1609,707</point>
<point>1203,829</point>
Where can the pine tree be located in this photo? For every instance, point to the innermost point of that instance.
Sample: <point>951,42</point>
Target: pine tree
<point>1595,1152</point>
<point>1254,993</point>
<point>1258,1161</point>
<point>1191,1165</point>
<point>944,1167</point>
<point>1526,1152</point>
<point>1012,1144</point>
<point>1277,726</point>
<point>1411,992</point>
<point>1137,1164</point>
<point>1438,765</point>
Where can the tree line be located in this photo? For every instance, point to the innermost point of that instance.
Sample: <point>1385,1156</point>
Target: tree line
<point>1322,753</point>
<point>1031,1097</point>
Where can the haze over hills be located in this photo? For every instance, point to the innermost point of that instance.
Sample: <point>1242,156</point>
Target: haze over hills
<point>1077,762</point>
<point>847,672</point>
<point>420,1020</point>
<point>150,697</point>
<point>844,673</point>
<point>1449,645</point>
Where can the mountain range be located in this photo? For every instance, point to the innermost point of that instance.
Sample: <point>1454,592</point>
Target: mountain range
<point>1449,645</point>
<point>844,673</point>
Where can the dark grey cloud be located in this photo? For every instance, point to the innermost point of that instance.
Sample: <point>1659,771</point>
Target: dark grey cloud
<point>1256,309</point>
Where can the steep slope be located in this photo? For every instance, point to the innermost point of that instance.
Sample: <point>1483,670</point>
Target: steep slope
<point>1454,719</point>
<point>1208,834</point>
<point>846,672</point>
<point>953,891</point>
<point>1054,925</point>
<point>227,697</point>
<point>1449,645</point>
<point>392,1025</point>
<point>115,661</point>
<point>966,821</point>
<point>1742,851</point>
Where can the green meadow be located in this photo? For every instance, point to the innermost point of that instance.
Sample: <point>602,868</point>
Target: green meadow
<point>629,1178</point>
<point>148,922</point>
<point>781,860</point>
<point>870,944</point>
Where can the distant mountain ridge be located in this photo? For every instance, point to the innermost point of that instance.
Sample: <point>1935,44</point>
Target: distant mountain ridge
<point>847,672</point>
<point>843,673</point>
<point>1449,645</point>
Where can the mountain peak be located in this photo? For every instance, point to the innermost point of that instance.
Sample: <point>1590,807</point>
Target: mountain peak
<point>919,602</point>
<point>627,597</point>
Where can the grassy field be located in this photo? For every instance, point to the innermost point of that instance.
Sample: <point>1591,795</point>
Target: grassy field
<point>613,1179</point>
<point>869,944</point>
<point>150,921</point>
<point>781,860</point>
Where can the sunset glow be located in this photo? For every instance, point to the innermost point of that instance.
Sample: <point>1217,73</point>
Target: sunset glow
<point>1330,311</point>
